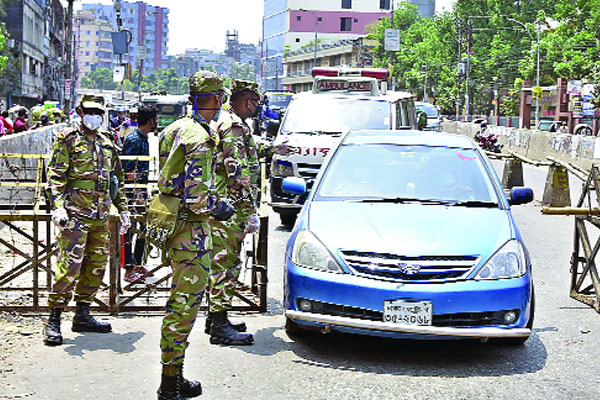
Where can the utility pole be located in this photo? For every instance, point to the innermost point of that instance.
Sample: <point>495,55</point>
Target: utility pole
<point>393,52</point>
<point>119,27</point>
<point>467,99</point>
<point>537,98</point>
<point>69,59</point>
<point>458,72</point>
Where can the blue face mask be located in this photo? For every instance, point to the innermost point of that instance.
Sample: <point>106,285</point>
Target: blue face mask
<point>197,115</point>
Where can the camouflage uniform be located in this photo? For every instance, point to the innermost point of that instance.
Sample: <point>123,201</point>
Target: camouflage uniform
<point>187,162</point>
<point>79,176</point>
<point>237,177</point>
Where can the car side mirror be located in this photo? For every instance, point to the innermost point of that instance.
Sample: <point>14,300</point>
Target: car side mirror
<point>520,195</point>
<point>273,128</point>
<point>293,185</point>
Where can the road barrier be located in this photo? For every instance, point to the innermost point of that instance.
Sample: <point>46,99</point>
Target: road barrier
<point>27,240</point>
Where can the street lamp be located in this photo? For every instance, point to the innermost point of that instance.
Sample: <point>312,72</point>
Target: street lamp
<point>537,84</point>
<point>316,32</point>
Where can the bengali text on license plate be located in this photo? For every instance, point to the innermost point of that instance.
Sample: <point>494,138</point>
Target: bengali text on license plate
<point>408,312</point>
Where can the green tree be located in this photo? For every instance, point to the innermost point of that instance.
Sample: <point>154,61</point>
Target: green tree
<point>242,71</point>
<point>102,79</point>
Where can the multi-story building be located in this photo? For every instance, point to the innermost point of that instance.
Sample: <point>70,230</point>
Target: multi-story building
<point>54,42</point>
<point>291,24</point>
<point>349,53</point>
<point>93,44</point>
<point>26,21</point>
<point>149,27</point>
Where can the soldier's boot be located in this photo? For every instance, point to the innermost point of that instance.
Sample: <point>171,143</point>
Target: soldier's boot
<point>187,388</point>
<point>169,387</point>
<point>52,334</point>
<point>221,332</point>
<point>84,322</point>
<point>238,326</point>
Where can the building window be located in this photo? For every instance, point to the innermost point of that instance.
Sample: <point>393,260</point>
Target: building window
<point>298,18</point>
<point>87,32</point>
<point>384,4</point>
<point>355,19</point>
<point>347,4</point>
<point>87,53</point>
<point>297,40</point>
<point>320,19</point>
<point>87,43</point>
<point>345,24</point>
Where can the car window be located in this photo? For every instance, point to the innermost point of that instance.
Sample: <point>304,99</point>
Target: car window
<point>428,109</point>
<point>332,114</point>
<point>418,172</point>
<point>279,100</point>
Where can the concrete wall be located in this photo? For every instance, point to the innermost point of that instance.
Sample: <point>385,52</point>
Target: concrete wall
<point>579,150</point>
<point>37,141</point>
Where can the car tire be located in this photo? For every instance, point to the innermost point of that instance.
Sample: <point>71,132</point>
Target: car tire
<point>292,329</point>
<point>287,218</point>
<point>521,340</point>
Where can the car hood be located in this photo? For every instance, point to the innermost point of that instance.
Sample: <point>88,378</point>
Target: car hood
<point>409,229</point>
<point>311,149</point>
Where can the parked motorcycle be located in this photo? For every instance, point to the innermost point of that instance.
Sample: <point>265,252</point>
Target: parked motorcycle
<point>487,140</point>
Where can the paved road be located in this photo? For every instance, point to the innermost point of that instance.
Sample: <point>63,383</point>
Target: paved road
<point>560,360</point>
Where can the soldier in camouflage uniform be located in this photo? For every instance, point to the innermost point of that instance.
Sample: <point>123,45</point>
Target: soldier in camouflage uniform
<point>79,174</point>
<point>237,177</point>
<point>187,162</point>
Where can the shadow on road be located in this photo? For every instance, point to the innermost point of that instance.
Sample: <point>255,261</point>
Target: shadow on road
<point>451,358</point>
<point>117,342</point>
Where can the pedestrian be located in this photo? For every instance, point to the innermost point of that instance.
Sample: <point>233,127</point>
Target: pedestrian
<point>136,171</point>
<point>44,121</point>
<point>187,150</point>
<point>6,122</point>
<point>237,177</point>
<point>129,125</point>
<point>20,124</point>
<point>120,119</point>
<point>79,175</point>
<point>563,128</point>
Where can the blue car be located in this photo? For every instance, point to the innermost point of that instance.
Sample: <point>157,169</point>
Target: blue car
<point>408,234</point>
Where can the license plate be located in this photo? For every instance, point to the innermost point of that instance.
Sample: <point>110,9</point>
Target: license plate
<point>408,312</point>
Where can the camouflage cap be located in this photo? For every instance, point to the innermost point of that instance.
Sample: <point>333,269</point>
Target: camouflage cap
<point>89,101</point>
<point>239,85</point>
<point>206,82</point>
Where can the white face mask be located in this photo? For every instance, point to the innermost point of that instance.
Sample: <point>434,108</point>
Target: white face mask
<point>92,122</point>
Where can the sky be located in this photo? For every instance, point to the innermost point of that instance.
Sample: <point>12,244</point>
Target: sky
<point>203,24</point>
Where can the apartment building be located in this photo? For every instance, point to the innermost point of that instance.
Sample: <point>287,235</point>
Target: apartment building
<point>93,44</point>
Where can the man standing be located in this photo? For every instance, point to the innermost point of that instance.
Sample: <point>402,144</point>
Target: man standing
<point>187,161</point>
<point>79,174</point>
<point>237,178</point>
<point>136,171</point>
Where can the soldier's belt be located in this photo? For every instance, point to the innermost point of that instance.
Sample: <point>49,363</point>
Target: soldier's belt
<point>88,184</point>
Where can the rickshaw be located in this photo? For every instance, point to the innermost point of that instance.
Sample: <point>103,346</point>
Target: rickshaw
<point>170,108</point>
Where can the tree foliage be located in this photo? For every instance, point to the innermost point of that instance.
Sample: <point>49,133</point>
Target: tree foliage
<point>165,80</point>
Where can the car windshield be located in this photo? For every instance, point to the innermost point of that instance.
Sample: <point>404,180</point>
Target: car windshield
<point>401,173</point>
<point>279,100</point>
<point>327,114</point>
<point>428,109</point>
<point>170,109</point>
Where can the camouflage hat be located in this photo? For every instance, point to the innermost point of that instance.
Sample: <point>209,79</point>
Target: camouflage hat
<point>89,101</point>
<point>206,82</point>
<point>239,85</point>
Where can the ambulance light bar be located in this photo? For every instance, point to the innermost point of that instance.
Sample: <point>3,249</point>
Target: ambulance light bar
<point>378,73</point>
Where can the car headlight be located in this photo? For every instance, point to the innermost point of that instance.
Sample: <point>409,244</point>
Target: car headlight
<point>508,262</point>
<point>309,252</point>
<point>282,168</point>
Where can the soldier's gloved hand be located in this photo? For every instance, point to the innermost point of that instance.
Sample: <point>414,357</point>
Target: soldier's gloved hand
<point>224,210</point>
<point>253,224</point>
<point>125,219</point>
<point>282,149</point>
<point>60,217</point>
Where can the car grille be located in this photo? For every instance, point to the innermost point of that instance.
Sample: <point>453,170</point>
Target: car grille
<point>458,320</point>
<point>423,268</point>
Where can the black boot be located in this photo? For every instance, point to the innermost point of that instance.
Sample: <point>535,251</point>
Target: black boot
<point>84,322</point>
<point>187,388</point>
<point>238,326</point>
<point>221,332</point>
<point>169,388</point>
<point>52,335</point>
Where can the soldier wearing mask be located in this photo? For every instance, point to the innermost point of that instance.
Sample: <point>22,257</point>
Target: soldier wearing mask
<point>187,151</point>
<point>84,161</point>
<point>237,177</point>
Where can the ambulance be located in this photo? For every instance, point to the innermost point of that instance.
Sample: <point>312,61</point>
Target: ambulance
<point>342,99</point>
